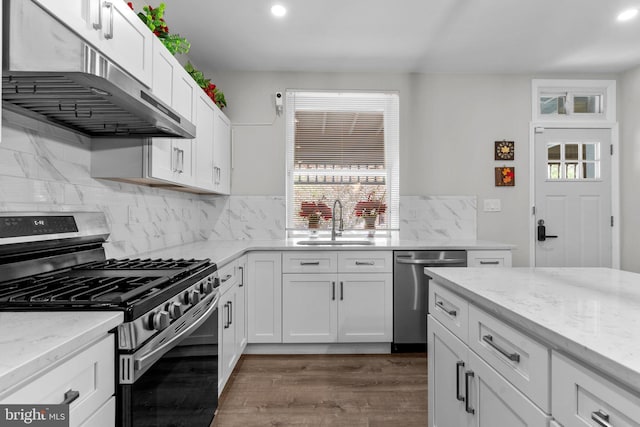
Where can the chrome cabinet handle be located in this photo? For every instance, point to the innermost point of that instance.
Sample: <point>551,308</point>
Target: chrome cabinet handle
<point>341,291</point>
<point>515,357</point>
<point>467,407</point>
<point>109,6</point>
<point>365,263</point>
<point>230,313</point>
<point>70,396</point>
<point>601,417</point>
<point>459,365</point>
<point>333,291</point>
<point>98,25</point>
<point>489,262</point>
<point>446,310</point>
<point>181,161</point>
<point>309,262</point>
<point>241,284</point>
<point>226,322</point>
<point>176,157</point>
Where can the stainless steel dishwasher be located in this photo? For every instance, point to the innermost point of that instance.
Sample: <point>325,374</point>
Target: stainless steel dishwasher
<point>411,293</point>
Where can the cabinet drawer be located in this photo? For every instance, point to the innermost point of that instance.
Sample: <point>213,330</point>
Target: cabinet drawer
<point>365,262</point>
<point>228,276</point>
<point>488,258</point>
<point>580,397</point>
<point>90,372</point>
<point>519,358</point>
<point>103,417</point>
<point>310,262</point>
<point>450,310</point>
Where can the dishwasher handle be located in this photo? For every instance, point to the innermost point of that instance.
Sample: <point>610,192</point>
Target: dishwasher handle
<point>431,262</point>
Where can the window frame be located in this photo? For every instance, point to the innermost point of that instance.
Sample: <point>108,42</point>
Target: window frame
<point>572,89</point>
<point>391,102</point>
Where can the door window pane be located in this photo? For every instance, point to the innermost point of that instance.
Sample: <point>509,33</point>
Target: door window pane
<point>573,161</point>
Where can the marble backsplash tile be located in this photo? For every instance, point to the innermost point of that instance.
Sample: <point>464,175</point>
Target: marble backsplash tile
<point>263,217</point>
<point>49,170</point>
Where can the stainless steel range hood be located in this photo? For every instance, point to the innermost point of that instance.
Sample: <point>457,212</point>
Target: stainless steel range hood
<point>50,73</point>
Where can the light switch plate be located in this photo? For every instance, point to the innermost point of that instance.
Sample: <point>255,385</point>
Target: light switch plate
<point>492,205</point>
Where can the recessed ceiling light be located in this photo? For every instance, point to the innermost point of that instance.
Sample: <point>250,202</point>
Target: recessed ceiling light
<point>628,14</point>
<point>278,10</point>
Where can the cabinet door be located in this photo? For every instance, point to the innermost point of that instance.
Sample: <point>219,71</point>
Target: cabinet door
<point>228,353</point>
<point>365,307</point>
<point>241,309</point>
<point>222,152</point>
<point>81,16</point>
<point>496,402</point>
<point>204,169</point>
<point>447,362</point>
<point>124,38</point>
<point>309,308</point>
<point>264,296</point>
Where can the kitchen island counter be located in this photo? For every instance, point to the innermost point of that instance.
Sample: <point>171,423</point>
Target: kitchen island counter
<point>590,314</point>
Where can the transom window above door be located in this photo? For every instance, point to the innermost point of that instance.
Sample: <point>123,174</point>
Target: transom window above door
<point>342,146</point>
<point>573,161</point>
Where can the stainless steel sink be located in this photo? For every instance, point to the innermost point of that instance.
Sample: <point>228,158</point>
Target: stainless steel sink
<point>335,242</point>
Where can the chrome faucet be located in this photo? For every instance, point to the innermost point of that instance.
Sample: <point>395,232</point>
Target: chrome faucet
<point>335,233</point>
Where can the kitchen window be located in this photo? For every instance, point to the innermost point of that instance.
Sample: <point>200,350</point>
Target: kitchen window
<point>342,145</point>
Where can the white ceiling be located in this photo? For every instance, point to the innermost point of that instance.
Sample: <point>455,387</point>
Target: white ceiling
<point>466,36</point>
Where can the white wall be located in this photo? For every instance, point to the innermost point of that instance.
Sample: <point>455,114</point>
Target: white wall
<point>629,117</point>
<point>447,129</point>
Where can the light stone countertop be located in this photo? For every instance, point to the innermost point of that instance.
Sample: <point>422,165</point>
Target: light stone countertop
<point>591,314</point>
<point>223,251</point>
<point>32,341</point>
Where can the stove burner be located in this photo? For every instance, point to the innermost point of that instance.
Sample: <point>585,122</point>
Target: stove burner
<point>142,264</point>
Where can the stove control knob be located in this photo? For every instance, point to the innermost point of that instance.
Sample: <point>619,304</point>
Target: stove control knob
<point>194,298</point>
<point>206,286</point>
<point>176,310</point>
<point>185,298</point>
<point>161,320</point>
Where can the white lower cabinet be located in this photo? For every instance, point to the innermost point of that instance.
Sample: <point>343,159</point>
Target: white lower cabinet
<point>89,372</point>
<point>264,295</point>
<point>330,307</point>
<point>465,391</point>
<point>232,335</point>
<point>489,258</point>
<point>581,397</point>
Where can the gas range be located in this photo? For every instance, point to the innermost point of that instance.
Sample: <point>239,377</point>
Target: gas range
<point>56,261</point>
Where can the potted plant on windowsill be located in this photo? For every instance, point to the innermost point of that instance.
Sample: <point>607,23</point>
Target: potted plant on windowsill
<point>314,212</point>
<point>369,210</point>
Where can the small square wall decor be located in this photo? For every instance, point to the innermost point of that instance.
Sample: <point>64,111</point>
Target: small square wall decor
<point>505,176</point>
<point>504,150</point>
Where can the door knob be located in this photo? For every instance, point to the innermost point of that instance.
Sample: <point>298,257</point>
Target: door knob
<point>542,232</point>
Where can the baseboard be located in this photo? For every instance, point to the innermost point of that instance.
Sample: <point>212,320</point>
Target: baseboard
<point>364,348</point>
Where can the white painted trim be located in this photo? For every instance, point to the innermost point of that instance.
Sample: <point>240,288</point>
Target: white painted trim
<point>346,348</point>
<point>615,183</point>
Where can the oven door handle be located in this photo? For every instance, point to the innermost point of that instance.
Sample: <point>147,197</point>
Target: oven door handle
<point>144,362</point>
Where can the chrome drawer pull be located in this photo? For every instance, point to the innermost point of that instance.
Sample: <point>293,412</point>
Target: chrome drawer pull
<point>365,263</point>
<point>489,262</point>
<point>446,310</point>
<point>459,365</point>
<point>309,262</point>
<point>511,356</point>
<point>601,417</point>
<point>70,396</point>
<point>467,407</point>
<point>333,291</point>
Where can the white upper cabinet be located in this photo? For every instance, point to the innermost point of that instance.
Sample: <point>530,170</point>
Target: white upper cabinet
<point>204,170</point>
<point>112,28</point>
<point>222,152</point>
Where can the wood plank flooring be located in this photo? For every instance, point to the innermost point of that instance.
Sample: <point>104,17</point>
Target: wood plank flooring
<point>326,390</point>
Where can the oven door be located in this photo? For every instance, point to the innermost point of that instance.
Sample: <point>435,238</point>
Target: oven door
<point>177,388</point>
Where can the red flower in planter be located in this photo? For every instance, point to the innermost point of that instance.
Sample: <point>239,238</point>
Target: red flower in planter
<point>370,207</point>
<point>319,209</point>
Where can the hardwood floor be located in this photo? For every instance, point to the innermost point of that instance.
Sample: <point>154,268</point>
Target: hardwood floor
<point>326,390</point>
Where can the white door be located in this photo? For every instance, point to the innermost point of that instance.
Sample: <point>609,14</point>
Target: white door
<point>573,198</point>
